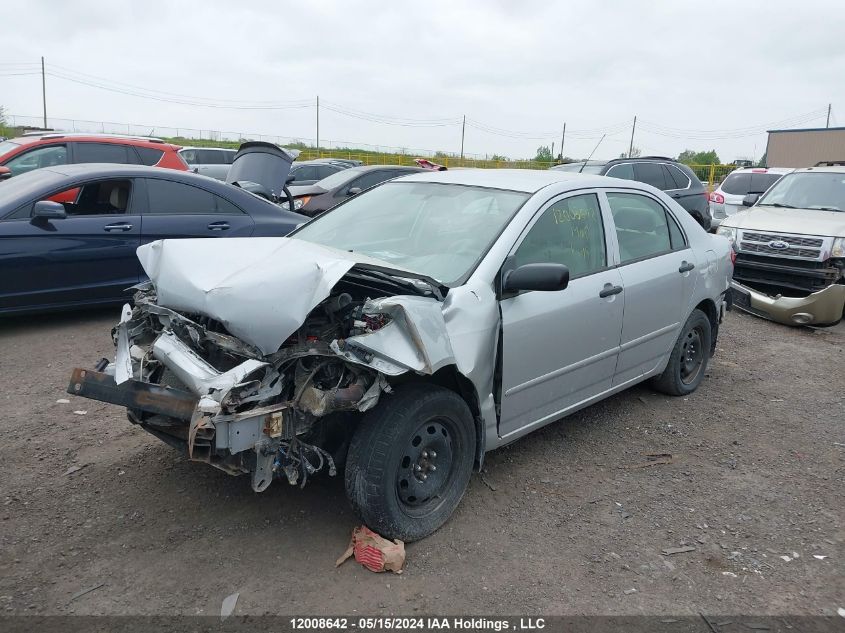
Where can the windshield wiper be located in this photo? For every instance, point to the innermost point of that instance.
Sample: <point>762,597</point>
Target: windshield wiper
<point>826,209</point>
<point>779,205</point>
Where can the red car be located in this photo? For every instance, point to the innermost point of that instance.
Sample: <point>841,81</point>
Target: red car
<point>25,153</point>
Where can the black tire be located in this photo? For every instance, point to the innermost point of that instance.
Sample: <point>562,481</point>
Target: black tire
<point>388,468</point>
<point>689,358</point>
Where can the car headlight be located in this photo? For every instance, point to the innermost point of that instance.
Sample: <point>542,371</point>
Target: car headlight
<point>728,232</point>
<point>298,203</point>
<point>838,249</point>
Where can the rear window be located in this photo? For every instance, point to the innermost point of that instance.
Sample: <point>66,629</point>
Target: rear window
<point>211,157</point>
<point>149,156</point>
<point>743,183</point>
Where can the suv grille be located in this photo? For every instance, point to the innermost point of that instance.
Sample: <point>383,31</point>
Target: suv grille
<point>799,246</point>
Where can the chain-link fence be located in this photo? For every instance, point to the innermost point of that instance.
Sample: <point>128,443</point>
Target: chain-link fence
<point>368,154</point>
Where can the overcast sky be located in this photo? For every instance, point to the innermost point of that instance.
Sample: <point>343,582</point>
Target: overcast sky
<point>698,75</point>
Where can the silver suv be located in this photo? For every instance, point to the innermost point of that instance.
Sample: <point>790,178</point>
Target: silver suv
<point>412,328</point>
<point>209,161</point>
<point>790,261</point>
<point>727,198</point>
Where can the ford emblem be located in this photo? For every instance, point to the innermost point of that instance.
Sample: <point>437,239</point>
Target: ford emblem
<point>778,244</point>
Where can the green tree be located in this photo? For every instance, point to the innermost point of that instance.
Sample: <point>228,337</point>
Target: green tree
<point>762,161</point>
<point>2,116</point>
<point>691,157</point>
<point>544,154</point>
<point>636,152</point>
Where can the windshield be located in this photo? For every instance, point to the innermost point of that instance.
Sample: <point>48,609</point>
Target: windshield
<point>7,146</point>
<point>743,183</point>
<point>438,230</point>
<point>337,179</point>
<point>576,167</point>
<point>808,190</point>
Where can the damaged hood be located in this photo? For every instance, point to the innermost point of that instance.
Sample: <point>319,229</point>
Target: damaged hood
<point>260,288</point>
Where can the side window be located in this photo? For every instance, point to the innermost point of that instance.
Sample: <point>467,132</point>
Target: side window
<point>675,178</point>
<point>569,232</point>
<point>149,156</point>
<point>642,226</point>
<point>625,171</point>
<point>230,156</point>
<point>38,158</point>
<point>676,235</point>
<point>211,157</point>
<point>101,153</point>
<point>105,197</point>
<point>371,178</point>
<point>306,172</point>
<point>324,170</point>
<point>189,156</point>
<point>650,173</point>
<point>175,198</point>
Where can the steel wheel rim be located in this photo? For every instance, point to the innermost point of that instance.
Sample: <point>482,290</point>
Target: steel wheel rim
<point>426,466</point>
<point>692,355</point>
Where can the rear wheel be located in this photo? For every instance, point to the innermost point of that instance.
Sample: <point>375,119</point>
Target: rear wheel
<point>410,461</point>
<point>689,357</point>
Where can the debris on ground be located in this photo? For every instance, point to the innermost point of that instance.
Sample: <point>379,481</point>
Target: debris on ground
<point>228,606</point>
<point>487,483</point>
<point>628,592</point>
<point>83,592</point>
<point>74,469</point>
<point>729,573</point>
<point>374,551</point>
<point>81,412</point>
<point>819,556</point>
<point>655,459</point>
<point>785,558</point>
<point>62,401</point>
<point>669,551</point>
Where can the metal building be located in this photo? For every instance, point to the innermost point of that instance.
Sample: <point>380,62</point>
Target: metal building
<point>805,148</point>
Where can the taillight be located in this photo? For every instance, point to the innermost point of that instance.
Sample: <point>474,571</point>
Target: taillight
<point>733,255</point>
<point>718,198</point>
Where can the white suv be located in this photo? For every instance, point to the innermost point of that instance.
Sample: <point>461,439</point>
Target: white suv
<point>727,198</point>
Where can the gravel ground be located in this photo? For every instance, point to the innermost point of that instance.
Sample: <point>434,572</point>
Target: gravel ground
<point>573,521</point>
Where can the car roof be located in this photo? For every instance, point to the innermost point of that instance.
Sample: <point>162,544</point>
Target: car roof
<point>219,149</point>
<point>90,138</point>
<point>763,170</point>
<point>117,170</point>
<point>526,180</point>
<point>838,169</point>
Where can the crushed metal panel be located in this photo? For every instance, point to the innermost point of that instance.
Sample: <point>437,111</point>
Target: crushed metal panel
<point>415,338</point>
<point>260,288</point>
<point>123,359</point>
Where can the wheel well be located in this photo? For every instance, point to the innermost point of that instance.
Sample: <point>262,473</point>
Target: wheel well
<point>709,308</point>
<point>450,378</point>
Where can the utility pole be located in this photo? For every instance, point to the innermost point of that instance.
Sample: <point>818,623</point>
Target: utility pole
<point>631,146</point>
<point>828,116</point>
<point>463,130</point>
<point>553,151</point>
<point>318,122</point>
<point>562,138</point>
<point>44,92</point>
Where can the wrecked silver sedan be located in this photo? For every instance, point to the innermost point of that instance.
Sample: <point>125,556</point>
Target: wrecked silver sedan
<point>412,328</point>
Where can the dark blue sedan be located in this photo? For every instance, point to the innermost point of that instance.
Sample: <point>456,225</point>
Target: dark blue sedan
<point>68,234</point>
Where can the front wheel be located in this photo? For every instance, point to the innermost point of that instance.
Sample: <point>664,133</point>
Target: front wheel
<point>410,461</point>
<point>689,357</point>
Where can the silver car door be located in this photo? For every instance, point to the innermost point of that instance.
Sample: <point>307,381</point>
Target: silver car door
<point>560,348</point>
<point>656,266</point>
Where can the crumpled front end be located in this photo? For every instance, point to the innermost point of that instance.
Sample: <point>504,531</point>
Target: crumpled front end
<point>187,381</point>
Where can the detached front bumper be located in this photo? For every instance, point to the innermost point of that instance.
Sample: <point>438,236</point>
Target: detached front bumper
<point>819,308</point>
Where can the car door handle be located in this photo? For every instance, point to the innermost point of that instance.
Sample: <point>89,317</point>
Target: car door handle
<point>118,226</point>
<point>219,226</point>
<point>609,290</point>
<point>686,267</point>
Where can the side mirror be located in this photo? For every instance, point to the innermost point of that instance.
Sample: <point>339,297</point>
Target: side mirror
<point>750,199</point>
<point>49,210</point>
<point>545,277</point>
<point>290,179</point>
<point>354,191</point>
<point>5,173</point>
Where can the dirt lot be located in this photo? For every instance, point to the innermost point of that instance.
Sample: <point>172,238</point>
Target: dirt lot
<point>574,525</point>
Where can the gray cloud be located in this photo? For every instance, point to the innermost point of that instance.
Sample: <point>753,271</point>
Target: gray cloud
<point>525,66</point>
